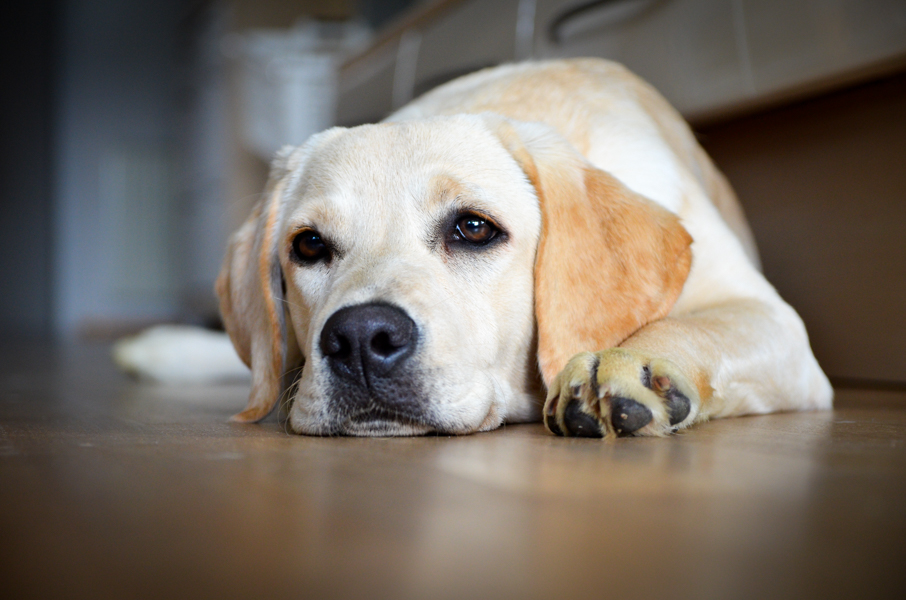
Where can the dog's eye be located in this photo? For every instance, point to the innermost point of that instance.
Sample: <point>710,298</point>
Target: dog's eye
<point>475,230</point>
<point>308,247</point>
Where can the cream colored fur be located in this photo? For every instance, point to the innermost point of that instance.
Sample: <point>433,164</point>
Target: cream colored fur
<point>518,142</point>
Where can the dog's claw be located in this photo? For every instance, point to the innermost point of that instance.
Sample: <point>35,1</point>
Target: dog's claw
<point>550,421</point>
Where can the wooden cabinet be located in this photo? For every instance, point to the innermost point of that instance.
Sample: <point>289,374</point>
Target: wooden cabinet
<point>710,58</point>
<point>791,44</point>
<point>687,49</point>
<point>713,57</point>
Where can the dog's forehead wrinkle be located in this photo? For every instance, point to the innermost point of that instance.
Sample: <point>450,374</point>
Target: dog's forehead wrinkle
<point>408,145</point>
<point>420,165</point>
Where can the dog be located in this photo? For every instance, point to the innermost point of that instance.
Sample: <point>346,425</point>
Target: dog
<point>538,241</point>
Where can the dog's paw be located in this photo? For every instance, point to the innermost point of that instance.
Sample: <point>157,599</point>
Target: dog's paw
<point>619,392</point>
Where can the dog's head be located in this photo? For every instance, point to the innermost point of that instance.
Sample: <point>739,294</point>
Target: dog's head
<point>405,278</point>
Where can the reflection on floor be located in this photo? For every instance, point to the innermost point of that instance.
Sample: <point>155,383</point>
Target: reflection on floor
<point>111,489</point>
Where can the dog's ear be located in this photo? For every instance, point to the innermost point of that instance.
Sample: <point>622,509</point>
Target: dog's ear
<point>609,261</point>
<point>250,290</point>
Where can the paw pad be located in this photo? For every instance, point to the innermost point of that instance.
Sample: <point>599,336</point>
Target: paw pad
<point>678,406</point>
<point>619,391</point>
<point>580,424</point>
<point>628,416</point>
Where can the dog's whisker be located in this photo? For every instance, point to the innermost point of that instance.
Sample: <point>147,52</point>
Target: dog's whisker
<point>286,397</point>
<point>288,303</point>
<point>246,200</point>
<point>442,300</point>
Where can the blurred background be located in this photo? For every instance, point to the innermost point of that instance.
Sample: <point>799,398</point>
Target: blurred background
<point>136,136</point>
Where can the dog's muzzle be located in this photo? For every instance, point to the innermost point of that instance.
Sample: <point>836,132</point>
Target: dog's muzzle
<point>369,349</point>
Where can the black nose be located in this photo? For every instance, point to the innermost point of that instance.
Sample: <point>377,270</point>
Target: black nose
<point>365,341</point>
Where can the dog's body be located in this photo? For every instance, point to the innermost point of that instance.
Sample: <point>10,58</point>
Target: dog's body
<point>539,225</point>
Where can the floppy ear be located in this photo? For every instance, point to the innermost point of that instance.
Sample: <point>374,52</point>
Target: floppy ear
<point>250,289</point>
<point>609,261</point>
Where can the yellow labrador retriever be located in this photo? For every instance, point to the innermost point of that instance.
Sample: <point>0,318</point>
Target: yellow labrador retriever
<point>545,226</point>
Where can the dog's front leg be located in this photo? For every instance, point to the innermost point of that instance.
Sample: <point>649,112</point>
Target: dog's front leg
<point>742,357</point>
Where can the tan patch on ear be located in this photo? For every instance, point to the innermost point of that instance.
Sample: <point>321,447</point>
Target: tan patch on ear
<point>249,291</point>
<point>251,414</point>
<point>270,275</point>
<point>609,261</point>
<point>235,264</point>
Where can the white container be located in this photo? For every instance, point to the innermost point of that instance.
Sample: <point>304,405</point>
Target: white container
<point>288,82</point>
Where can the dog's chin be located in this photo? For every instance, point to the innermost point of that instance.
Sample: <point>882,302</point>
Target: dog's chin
<point>381,428</point>
<point>408,416</point>
<point>365,424</point>
<point>364,428</point>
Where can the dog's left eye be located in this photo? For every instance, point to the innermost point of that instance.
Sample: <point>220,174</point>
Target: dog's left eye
<point>308,247</point>
<point>475,230</point>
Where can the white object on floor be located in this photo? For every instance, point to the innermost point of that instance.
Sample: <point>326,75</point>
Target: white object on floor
<point>180,354</point>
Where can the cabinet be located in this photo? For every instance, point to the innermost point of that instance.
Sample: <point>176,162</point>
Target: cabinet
<point>710,58</point>
<point>713,57</point>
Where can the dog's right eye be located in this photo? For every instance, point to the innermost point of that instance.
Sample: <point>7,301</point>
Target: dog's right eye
<point>473,231</point>
<point>309,248</point>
